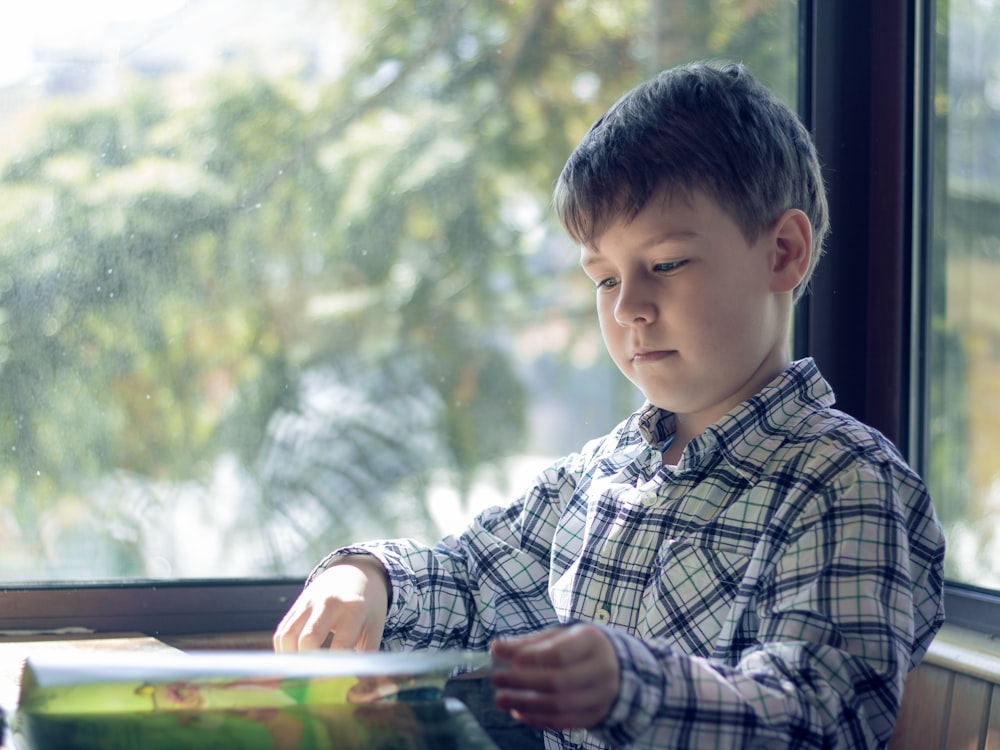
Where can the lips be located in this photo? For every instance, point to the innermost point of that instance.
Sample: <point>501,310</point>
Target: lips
<point>653,355</point>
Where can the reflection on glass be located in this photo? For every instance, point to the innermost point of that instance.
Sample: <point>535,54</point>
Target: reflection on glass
<point>964,469</point>
<point>280,275</point>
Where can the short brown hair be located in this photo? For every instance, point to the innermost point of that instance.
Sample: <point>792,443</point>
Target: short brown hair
<point>706,126</point>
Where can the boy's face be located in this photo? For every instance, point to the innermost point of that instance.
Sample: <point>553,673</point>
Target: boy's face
<point>691,312</point>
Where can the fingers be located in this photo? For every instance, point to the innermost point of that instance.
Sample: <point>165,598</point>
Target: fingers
<point>293,626</point>
<point>355,630</point>
<point>305,627</point>
<point>544,711</point>
<point>346,604</point>
<point>561,678</point>
<point>371,637</point>
<point>554,647</point>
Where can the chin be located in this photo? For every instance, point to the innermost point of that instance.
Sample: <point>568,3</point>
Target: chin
<point>670,400</point>
<point>663,401</point>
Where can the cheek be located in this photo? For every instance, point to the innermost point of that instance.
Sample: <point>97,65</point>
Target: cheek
<point>724,323</point>
<point>737,327</point>
<point>610,329</point>
<point>613,334</point>
<point>606,316</point>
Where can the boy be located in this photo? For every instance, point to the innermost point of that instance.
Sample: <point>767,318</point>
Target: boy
<point>735,565</point>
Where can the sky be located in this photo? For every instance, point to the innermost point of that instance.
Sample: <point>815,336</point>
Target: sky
<point>110,30</point>
<point>70,24</point>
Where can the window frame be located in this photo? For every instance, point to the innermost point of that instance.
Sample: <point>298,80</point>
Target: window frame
<point>860,107</point>
<point>874,63</point>
<point>865,81</point>
<point>156,608</point>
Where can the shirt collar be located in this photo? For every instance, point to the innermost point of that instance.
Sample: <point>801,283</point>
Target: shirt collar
<point>753,430</point>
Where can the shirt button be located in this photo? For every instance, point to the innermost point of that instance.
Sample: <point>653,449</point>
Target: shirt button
<point>649,499</point>
<point>602,616</point>
<point>577,736</point>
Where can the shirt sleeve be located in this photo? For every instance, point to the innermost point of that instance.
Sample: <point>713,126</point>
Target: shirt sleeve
<point>851,600</point>
<point>488,582</point>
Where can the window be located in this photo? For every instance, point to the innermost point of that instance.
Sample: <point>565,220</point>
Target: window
<point>281,275</point>
<point>964,343</point>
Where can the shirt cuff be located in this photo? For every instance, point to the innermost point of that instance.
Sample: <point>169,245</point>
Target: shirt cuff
<point>641,692</point>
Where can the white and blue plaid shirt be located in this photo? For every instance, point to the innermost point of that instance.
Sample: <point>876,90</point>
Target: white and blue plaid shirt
<point>772,590</point>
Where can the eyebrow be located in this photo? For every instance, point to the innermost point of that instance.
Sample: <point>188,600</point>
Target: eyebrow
<point>592,255</point>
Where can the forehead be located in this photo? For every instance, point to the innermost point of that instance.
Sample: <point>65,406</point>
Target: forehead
<point>667,215</point>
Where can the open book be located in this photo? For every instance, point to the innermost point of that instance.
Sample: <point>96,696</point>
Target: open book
<point>152,700</point>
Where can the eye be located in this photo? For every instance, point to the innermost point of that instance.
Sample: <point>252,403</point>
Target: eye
<point>668,266</point>
<point>608,283</point>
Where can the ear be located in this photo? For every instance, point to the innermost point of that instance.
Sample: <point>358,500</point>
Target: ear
<point>791,250</point>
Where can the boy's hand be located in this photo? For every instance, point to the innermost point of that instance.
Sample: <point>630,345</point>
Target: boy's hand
<point>348,599</point>
<point>561,678</point>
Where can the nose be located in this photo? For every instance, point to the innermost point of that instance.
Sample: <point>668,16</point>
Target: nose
<point>635,304</point>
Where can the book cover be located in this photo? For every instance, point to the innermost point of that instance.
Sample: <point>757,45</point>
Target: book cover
<point>245,700</point>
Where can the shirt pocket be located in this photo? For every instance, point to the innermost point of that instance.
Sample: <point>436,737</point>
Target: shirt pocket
<point>690,594</point>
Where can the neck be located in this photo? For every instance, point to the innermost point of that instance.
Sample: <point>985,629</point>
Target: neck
<point>672,455</point>
<point>689,426</point>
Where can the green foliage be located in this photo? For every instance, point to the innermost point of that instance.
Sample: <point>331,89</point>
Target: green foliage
<point>193,270</point>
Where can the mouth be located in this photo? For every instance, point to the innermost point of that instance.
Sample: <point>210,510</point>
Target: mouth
<point>655,355</point>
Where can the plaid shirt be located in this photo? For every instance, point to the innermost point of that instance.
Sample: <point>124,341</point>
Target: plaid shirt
<point>772,590</point>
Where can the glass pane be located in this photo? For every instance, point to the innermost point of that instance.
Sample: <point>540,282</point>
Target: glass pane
<point>280,274</point>
<point>964,470</point>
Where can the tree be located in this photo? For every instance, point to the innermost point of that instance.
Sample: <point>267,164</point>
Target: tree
<point>319,275</point>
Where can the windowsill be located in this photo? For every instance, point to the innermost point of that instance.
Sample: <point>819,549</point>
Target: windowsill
<point>967,652</point>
